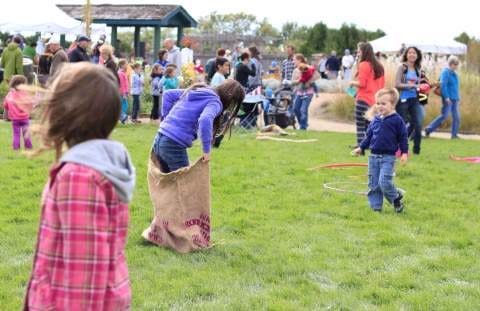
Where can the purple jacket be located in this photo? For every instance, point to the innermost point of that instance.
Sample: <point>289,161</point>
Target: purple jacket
<point>184,116</point>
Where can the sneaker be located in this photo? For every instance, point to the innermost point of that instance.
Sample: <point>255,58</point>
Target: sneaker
<point>427,133</point>
<point>377,210</point>
<point>398,204</point>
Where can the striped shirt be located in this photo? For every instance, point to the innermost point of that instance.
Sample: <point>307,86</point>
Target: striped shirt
<point>80,258</point>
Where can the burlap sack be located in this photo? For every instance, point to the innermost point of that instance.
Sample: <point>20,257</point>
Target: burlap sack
<point>181,202</point>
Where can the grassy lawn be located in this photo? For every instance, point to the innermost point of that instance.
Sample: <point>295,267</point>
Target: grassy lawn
<point>282,241</point>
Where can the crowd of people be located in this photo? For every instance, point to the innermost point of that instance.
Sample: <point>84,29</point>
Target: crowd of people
<point>80,257</point>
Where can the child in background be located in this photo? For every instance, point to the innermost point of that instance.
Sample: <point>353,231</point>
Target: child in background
<point>137,91</point>
<point>156,91</point>
<point>18,104</point>
<point>170,80</point>
<point>307,75</point>
<point>385,135</point>
<point>80,263</point>
<point>199,115</point>
<point>223,69</point>
<point>124,88</point>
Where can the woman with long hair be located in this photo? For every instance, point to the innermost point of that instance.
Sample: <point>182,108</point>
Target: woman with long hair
<point>196,109</point>
<point>408,79</point>
<point>370,78</point>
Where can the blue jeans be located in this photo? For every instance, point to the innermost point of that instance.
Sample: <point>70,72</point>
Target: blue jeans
<point>300,108</point>
<point>446,109</point>
<point>380,180</point>
<point>413,114</point>
<point>124,114</point>
<point>135,106</point>
<point>171,155</point>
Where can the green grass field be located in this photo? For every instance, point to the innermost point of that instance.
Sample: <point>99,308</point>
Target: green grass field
<point>282,241</point>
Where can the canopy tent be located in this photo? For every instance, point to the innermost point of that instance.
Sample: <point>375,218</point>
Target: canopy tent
<point>41,17</point>
<point>393,43</point>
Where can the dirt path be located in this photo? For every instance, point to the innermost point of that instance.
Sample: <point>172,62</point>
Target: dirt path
<point>319,122</point>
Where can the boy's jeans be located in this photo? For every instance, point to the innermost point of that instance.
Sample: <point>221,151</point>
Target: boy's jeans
<point>135,106</point>
<point>380,180</point>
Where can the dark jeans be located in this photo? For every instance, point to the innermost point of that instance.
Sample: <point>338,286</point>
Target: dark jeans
<point>171,155</point>
<point>412,113</point>
<point>135,106</point>
<point>155,113</point>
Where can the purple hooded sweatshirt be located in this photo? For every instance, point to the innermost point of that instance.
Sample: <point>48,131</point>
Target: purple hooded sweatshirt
<point>183,117</point>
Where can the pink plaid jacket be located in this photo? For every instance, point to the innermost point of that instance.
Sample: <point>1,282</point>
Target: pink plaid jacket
<point>80,258</point>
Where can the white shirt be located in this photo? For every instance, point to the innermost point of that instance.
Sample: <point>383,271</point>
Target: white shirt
<point>347,61</point>
<point>187,56</point>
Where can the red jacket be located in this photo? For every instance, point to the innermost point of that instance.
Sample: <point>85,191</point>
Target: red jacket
<point>80,258</point>
<point>19,104</point>
<point>369,86</point>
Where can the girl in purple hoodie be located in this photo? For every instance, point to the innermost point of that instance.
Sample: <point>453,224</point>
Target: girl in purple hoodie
<point>185,113</point>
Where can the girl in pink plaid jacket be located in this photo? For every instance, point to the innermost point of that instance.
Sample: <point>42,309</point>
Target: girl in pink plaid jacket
<point>80,261</point>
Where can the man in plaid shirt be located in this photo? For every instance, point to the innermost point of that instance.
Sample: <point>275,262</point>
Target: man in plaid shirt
<point>288,65</point>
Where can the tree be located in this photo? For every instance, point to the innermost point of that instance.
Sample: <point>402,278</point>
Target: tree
<point>463,38</point>
<point>288,31</point>
<point>233,23</point>
<point>315,39</point>
<point>266,29</point>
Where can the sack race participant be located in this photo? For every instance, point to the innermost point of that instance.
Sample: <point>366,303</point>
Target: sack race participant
<point>181,194</point>
<point>182,207</point>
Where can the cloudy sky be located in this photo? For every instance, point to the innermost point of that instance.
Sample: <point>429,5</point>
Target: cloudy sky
<point>439,18</point>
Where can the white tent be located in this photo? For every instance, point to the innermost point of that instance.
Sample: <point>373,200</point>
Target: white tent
<point>41,17</point>
<point>393,43</point>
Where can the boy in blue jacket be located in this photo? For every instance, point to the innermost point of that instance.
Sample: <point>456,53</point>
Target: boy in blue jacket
<point>385,135</point>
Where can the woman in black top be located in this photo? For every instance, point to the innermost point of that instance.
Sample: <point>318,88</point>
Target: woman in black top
<point>243,70</point>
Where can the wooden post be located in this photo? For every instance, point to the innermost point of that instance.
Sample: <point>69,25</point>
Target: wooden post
<point>63,41</point>
<point>113,38</point>
<point>179,35</point>
<point>136,41</point>
<point>87,18</point>
<point>156,40</point>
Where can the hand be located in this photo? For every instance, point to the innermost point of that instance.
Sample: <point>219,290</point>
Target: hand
<point>404,159</point>
<point>357,151</point>
<point>206,157</point>
<point>448,101</point>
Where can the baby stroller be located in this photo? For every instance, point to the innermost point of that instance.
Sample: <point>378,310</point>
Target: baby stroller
<point>280,109</point>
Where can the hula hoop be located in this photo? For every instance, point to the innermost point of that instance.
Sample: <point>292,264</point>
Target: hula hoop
<point>336,186</point>
<point>337,165</point>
